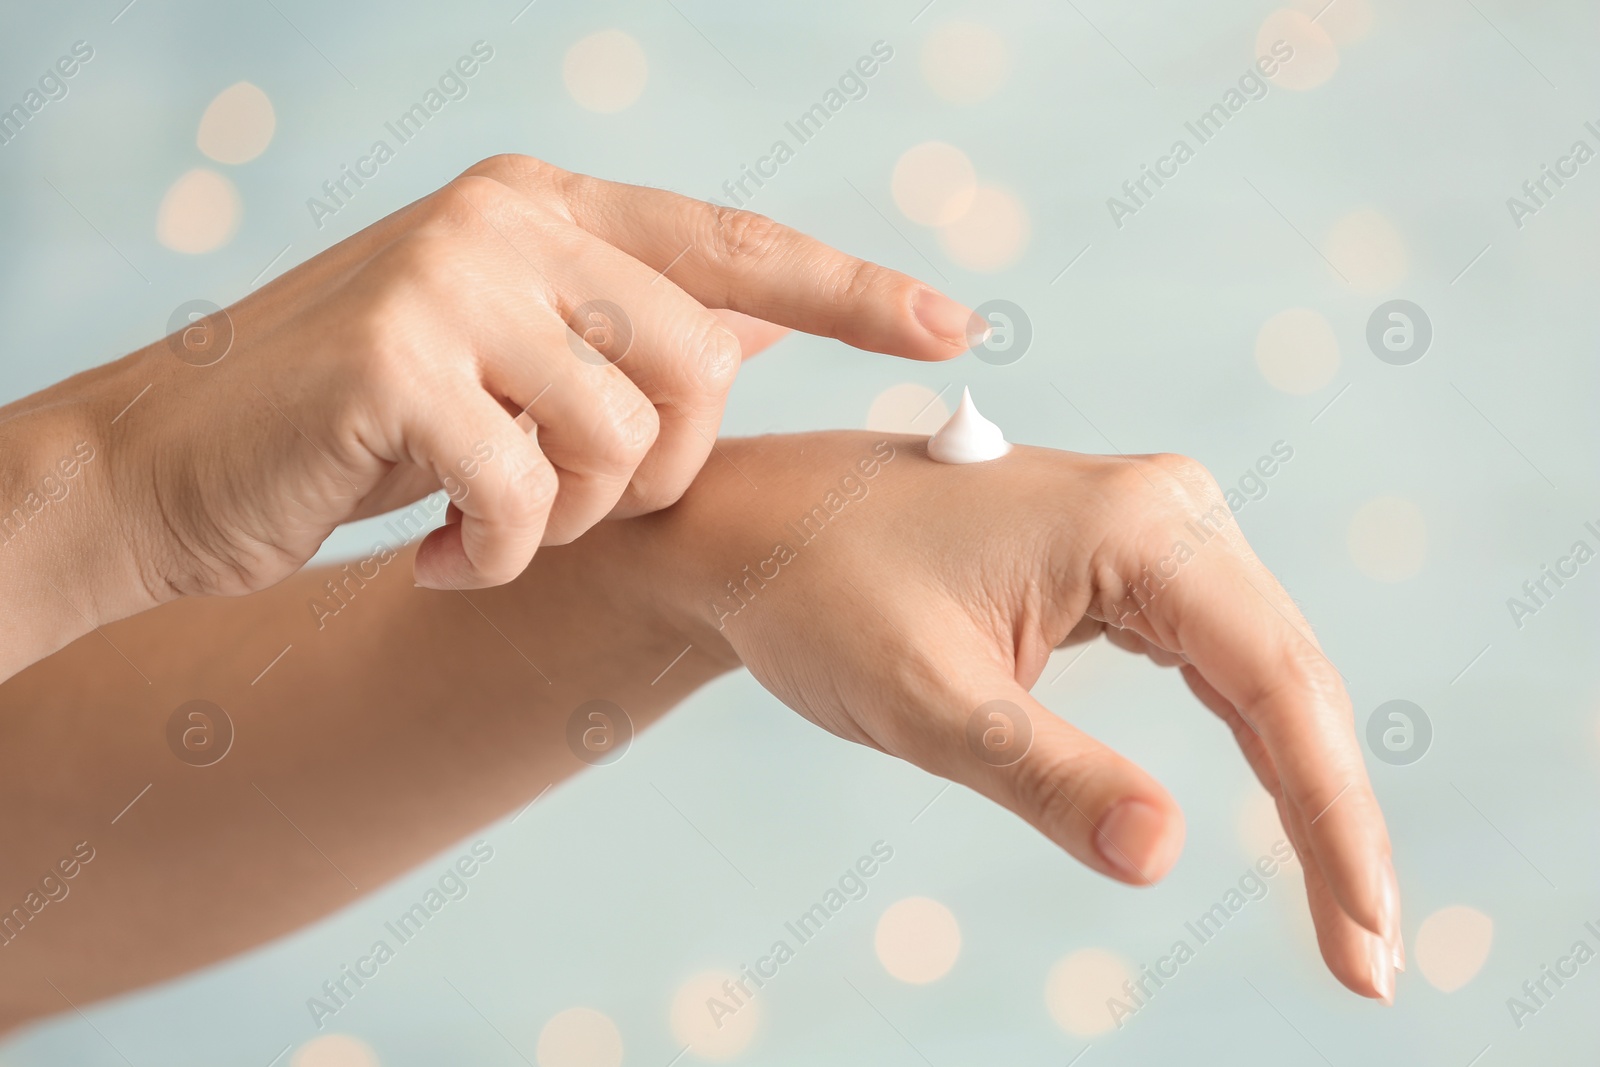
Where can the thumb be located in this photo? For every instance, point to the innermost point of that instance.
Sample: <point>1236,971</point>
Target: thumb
<point>501,488</point>
<point>1100,807</point>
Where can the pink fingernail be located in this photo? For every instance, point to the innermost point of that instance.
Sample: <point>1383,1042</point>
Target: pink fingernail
<point>941,316</point>
<point>1382,966</point>
<point>1391,915</point>
<point>1133,840</point>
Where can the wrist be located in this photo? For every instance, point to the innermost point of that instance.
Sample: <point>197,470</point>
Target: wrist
<point>48,521</point>
<point>667,577</point>
<point>67,559</point>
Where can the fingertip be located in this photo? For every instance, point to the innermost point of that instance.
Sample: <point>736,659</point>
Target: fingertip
<point>1140,840</point>
<point>1366,968</point>
<point>439,558</point>
<point>949,324</point>
<point>442,562</point>
<point>429,568</point>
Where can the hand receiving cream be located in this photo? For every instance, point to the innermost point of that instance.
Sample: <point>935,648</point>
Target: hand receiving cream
<point>967,437</point>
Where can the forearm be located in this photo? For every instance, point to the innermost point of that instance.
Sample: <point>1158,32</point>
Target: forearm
<point>69,553</point>
<point>375,723</point>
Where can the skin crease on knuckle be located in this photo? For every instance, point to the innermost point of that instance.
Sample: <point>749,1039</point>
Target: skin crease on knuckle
<point>529,492</point>
<point>636,427</point>
<point>717,359</point>
<point>1055,790</point>
<point>861,285</point>
<point>515,170</point>
<point>738,237</point>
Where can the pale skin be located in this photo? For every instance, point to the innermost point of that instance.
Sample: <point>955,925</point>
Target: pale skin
<point>416,715</point>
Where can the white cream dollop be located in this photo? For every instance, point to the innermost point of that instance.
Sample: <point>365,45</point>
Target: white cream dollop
<point>967,437</point>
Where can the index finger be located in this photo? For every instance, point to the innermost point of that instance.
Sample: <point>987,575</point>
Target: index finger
<point>728,258</point>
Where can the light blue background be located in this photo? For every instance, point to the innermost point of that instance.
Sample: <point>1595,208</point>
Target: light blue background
<point>601,895</point>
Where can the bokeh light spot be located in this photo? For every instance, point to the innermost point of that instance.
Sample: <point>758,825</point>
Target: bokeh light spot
<point>238,125</point>
<point>1452,945</point>
<point>1368,251</point>
<point>1079,987</point>
<point>1297,351</point>
<point>907,408</point>
<point>605,71</point>
<point>917,940</point>
<point>1314,58</point>
<point>716,1023</point>
<point>934,183</point>
<point>334,1050</point>
<point>991,235</point>
<point>200,213</point>
<point>579,1037</point>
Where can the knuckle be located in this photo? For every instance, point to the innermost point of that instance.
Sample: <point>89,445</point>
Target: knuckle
<point>1297,674</point>
<point>1174,464</point>
<point>468,208</point>
<point>738,236</point>
<point>861,279</point>
<point>632,429</point>
<point>1189,473</point>
<point>531,490</point>
<point>447,210</point>
<point>717,357</point>
<point>512,166</point>
<point>1304,668</point>
<point>1050,789</point>
<point>1166,488</point>
<point>540,183</point>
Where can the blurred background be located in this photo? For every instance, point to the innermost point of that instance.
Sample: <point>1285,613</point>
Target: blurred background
<point>1343,299</point>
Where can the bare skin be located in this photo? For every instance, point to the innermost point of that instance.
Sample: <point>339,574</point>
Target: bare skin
<point>412,716</point>
<point>408,357</point>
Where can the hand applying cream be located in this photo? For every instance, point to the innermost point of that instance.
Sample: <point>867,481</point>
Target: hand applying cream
<point>967,437</point>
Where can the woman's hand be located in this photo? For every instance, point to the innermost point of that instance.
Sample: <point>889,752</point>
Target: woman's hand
<point>906,599</point>
<point>909,606</point>
<point>417,353</point>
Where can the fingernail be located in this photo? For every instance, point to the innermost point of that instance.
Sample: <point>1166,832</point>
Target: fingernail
<point>1132,839</point>
<point>1382,964</point>
<point>1391,914</point>
<point>941,316</point>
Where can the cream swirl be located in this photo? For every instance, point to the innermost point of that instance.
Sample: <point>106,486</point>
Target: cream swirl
<point>967,437</point>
